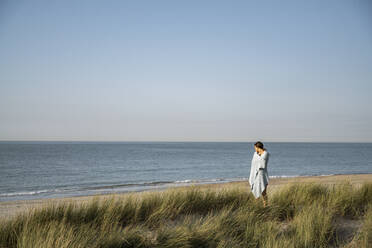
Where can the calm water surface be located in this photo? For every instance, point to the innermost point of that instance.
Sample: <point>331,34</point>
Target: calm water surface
<point>32,170</point>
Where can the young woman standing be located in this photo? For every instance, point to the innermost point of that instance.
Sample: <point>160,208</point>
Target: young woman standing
<point>259,177</point>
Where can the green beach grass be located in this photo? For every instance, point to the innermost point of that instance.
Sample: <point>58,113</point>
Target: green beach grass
<point>298,215</point>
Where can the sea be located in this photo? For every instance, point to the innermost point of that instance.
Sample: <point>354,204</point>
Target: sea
<point>38,170</point>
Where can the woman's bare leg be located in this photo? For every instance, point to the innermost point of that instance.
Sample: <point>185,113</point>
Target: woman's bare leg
<point>264,197</point>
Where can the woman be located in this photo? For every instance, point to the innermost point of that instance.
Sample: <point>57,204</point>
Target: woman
<point>259,178</point>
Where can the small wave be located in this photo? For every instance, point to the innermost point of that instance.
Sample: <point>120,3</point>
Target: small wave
<point>127,185</point>
<point>156,183</point>
<point>211,180</point>
<point>184,181</point>
<point>21,193</point>
<point>289,176</point>
<point>193,181</point>
<point>285,176</point>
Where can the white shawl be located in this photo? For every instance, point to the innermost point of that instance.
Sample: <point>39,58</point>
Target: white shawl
<point>259,178</point>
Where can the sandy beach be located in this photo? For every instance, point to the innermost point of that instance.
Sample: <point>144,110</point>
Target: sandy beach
<point>12,208</point>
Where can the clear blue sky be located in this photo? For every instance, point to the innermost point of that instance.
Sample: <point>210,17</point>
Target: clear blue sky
<point>186,70</point>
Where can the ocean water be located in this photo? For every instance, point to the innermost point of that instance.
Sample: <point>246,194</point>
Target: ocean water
<point>33,170</point>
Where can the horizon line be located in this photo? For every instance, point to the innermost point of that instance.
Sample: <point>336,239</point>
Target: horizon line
<point>175,141</point>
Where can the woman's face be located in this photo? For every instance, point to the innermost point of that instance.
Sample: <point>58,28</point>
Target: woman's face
<point>257,149</point>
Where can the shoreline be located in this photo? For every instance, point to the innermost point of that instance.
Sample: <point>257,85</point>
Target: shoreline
<point>134,187</point>
<point>10,209</point>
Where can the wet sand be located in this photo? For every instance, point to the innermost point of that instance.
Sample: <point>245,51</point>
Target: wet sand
<point>12,208</point>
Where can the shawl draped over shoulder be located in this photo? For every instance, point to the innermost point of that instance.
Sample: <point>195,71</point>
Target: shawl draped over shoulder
<point>259,178</point>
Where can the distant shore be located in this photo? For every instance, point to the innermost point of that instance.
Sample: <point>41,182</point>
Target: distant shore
<point>12,208</point>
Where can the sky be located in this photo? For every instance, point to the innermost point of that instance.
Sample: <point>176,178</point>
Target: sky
<point>275,71</point>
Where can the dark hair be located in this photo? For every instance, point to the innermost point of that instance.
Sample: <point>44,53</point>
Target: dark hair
<point>259,144</point>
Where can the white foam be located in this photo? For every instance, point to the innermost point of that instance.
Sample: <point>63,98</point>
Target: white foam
<point>25,193</point>
<point>29,192</point>
<point>184,181</point>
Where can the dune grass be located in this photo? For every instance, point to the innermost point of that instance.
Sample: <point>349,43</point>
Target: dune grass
<point>364,237</point>
<point>298,215</point>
